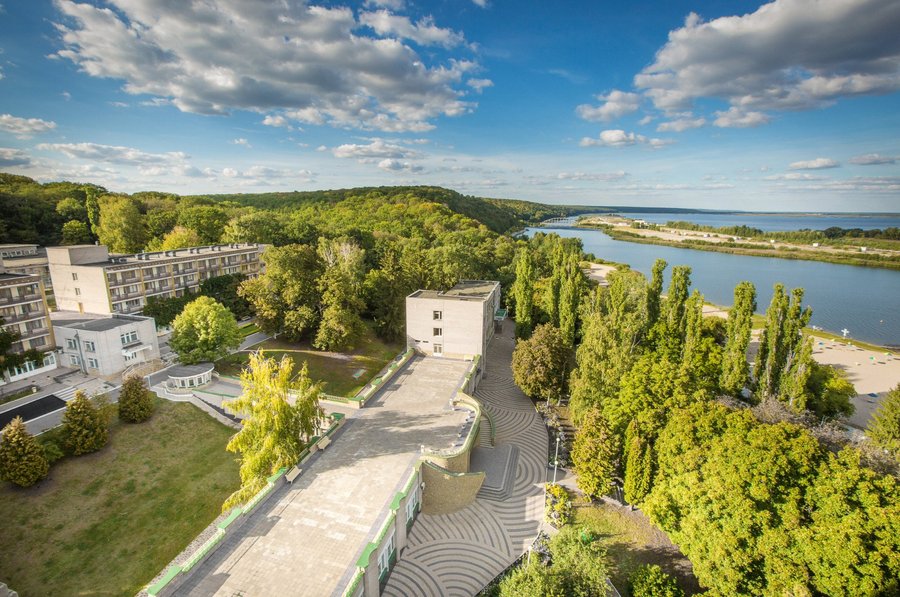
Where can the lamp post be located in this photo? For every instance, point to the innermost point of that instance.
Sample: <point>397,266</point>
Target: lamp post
<point>556,458</point>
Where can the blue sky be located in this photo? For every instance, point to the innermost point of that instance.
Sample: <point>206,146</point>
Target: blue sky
<point>788,106</point>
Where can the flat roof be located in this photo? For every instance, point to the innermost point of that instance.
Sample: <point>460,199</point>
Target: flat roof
<point>165,256</point>
<point>307,538</point>
<point>98,325</point>
<point>464,290</point>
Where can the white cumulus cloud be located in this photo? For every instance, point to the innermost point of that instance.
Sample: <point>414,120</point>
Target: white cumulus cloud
<point>738,118</point>
<point>615,104</point>
<point>873,159</point>
<point>680,124</point>
<point>378,149</point>
<point>787,55</point>
<point>25,128</point>
<point>816,164</point>
<point>113,154</point>
<point>286,57</point>
<point>424,32</point>
<point>620,138</point>
<point>13,157</point>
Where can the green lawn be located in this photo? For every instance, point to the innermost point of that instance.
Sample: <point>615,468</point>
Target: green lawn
<point>631,541</point>
<point>107,523</point>
<point>336,370</point>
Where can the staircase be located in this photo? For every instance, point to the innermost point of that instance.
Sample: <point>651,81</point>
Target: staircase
<point>499,466</point>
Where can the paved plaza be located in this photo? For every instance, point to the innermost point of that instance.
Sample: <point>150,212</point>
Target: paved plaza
<point>307,538</point>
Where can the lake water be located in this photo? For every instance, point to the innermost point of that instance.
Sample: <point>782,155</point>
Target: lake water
<point>773,222</point>
<point>864,300</point>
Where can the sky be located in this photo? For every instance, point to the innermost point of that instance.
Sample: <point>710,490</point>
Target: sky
<point>792,105</point>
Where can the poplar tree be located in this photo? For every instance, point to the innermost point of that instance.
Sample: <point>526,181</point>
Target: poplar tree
<point>570,298</point>
<point>673,313</point>
<point>281,413</point>
<point>595,454</point>
<point>523,293</point>
<point>640,454</point>
<point>555,287</point>
<point>735,368</point>
<point>341,288</point>
<point>654,292</point>
<point>22,460</point>
<point>781,343</point>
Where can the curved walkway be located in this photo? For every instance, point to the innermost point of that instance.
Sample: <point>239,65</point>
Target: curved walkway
<point>459,553</point>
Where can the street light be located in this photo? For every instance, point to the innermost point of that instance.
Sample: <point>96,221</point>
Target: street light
<point>556,458</point>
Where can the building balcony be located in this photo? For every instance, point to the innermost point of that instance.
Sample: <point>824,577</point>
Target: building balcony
<point>148,275</point>
<point>20,317</point>
<point>21,298</point>
<point>34,333</point>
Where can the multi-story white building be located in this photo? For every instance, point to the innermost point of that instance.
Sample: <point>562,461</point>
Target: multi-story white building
<point>87,279</point>
<point>23,308</point>
<point>27,259</point>
<point>105,346</point>
<point>457,323</point>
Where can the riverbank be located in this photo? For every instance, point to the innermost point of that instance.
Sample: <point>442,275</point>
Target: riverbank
<point>620,229</point>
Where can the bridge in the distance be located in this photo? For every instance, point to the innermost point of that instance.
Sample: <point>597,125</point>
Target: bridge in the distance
<point>555,222</point>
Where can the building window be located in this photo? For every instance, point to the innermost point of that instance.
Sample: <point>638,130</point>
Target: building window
<point>438,331</point>
<point>93,363</point>
<point>70,343</point>
<point>90,346</point>
<point>411,507</point>
<point>129,338</point>
<point>40,341</point>
<point>438,349</point>
<point>78,292</point>
<point>130,356</point>
<point>385,558</point>
<point>74,359</point>
<point>75,276</point>
<point>438,315</point>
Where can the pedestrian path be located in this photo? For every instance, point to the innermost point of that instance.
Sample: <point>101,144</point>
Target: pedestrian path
<point>458,554</point>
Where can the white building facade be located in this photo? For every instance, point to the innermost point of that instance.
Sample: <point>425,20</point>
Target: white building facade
<point>23,308</point>
<point>86,279</point>
<point>457,323</point>
<point>105,346</point>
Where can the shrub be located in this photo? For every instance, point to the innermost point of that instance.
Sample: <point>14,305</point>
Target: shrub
<point>651,581</point>
<point>558,510</point>
<point>52,452</point>
<point>136,403</point>
<point>22,460</point>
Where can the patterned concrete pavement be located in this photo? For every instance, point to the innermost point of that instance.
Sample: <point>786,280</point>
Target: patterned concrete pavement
<point>459,553</point>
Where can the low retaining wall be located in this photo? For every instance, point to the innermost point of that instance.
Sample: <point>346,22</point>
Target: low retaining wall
<point>176,575</point>
<point>446,491</point>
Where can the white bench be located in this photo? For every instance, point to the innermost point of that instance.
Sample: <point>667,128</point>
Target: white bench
<point>324,442</point>
<point>293,474</point>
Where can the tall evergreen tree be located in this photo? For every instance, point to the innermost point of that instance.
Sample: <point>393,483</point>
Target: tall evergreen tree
<point>22,459</point>
<point>523,293</point>
<point>556,281</point>
<point>735,368</point>
<point>595,454</point>
<point>136,403</point>
<point>84,427</point>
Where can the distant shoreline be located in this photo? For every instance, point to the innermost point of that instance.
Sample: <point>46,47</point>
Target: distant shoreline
<point>781,250</point>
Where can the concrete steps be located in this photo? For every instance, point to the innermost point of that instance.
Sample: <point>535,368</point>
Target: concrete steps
<point>499,465</point>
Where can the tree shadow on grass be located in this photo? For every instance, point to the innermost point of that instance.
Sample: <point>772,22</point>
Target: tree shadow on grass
<point>626,557</point>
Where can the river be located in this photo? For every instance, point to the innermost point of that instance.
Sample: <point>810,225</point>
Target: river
<point>864,300</point>
<point>773,222</point>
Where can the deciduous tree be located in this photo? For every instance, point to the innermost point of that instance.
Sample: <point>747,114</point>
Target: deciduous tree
<point>281,412</point>
<point>75,232</point>
<point>341,288</point>
<point>22,460</point>
<point>735,368</point>
<point>204,331</point>
<point>120,227</point>
<point>884,428</point>
<point>523,293</point>
<point>595,454</point>
<point>541,364</point>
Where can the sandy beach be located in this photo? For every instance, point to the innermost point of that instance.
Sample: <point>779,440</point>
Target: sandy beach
<point>598,272</point>
<point>873,374</point>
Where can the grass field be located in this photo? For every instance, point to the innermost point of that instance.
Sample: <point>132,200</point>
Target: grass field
<point>631,541</point>
<point>107,523</point>
<point>336,370</point>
